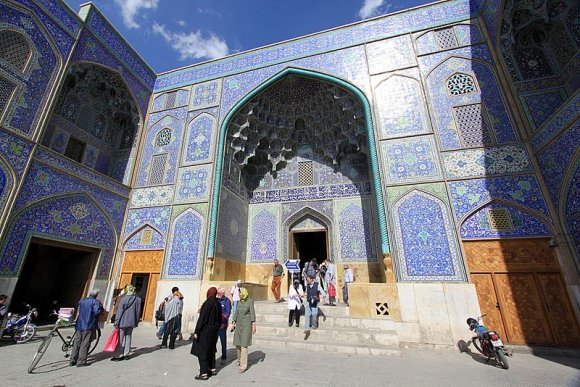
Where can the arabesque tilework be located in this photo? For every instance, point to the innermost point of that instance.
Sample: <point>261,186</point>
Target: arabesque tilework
<point>487,161</point>
<point>152,196</point>
<point>184,256</point>
<point>540,107</point>
<point>391,54</point>
<point>53,218</point>
<point>205,95</point>
<point>6,184</point>
<point>157,217</point>
<point>411,160</point>
<point>136,241</point>
<point>355,230</point>
<point>264,230</point>
<point>193,184</point>
<point>199,139</point>
<point>232,233</point>
<point>571,210</point>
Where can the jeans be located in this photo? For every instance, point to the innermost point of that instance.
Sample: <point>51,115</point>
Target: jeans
<point>222,333</point>
<point>311,312</point>
<point>161,329</point>
<point>234,307</point>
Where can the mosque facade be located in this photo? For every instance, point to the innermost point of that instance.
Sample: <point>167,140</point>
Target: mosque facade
<point>435,151</point>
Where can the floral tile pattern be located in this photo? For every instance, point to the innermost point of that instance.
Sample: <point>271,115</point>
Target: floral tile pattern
<point>571,210</point>
<point>136,241</point>
<point>205,95</point>
<point>186,248</point>
<point>567,115</point>
<point>6,184</point>
<point>232,232</point>
<point>486,161</point>
<point>523,224</point>
<point>354,230</point>
<point>15,150</point>
<point>411,160</point>
<point>540,107</point>
<point>264,231</point>
<point>158,217</point>
<point>391,54</point>
<point>152,196</point>
<point>199,139</point>
<point>193,184</point>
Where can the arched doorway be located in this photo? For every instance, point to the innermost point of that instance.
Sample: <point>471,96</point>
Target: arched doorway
<point>299,139</point>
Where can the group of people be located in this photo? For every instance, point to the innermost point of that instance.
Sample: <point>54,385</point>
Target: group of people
<point>213,323</point>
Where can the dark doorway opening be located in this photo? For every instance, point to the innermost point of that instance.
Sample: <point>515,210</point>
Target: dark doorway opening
<point>54,275</point>
<point>141,282</point>
<point>308,245</point>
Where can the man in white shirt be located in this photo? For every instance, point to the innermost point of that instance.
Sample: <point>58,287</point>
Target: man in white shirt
<point>348,278</point>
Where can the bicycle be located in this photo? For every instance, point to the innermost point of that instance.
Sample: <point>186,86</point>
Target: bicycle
<point>64,320</point>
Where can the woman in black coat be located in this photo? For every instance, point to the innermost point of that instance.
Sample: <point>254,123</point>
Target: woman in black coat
<point>206,334</point>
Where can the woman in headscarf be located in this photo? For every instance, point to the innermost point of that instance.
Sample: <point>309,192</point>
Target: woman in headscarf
<point>206,334</point>
<point>244,323</point>
<point>173,311</point>
<point>127,317</point>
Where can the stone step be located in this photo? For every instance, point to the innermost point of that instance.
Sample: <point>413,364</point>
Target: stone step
<point>332,335</point>
<point>281,319</point>
<point>316,345</point>
<point>269,307</point>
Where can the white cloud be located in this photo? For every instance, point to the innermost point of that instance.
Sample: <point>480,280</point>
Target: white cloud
<point>193,45</point>
<point>181,23</point>
<point>372,8</point>
<point>130,9</point>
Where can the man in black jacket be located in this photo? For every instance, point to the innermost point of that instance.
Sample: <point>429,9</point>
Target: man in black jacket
<point>311,307</point>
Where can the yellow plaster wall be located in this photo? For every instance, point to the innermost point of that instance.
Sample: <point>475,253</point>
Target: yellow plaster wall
<point>262,274</point>
<point>257,291</point>
<point>221,269</point>
<point>362,299</point>
<point>363,272</point>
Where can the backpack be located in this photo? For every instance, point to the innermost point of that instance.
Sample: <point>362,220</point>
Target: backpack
<point>311,270</point>
<point>160,312</point>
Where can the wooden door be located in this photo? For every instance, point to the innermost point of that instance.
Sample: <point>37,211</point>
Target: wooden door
<point>560,313</point>
<point>521,305</point>
<point>150,307</point>
<point>488,302</point>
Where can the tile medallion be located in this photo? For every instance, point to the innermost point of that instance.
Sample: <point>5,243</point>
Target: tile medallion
<point>410,160</point>
<point>515,223</point>
<point>152,196</point>
<point>468,195</point>
<point>426,239</point>
<point>75,219</point>
<point>401,107</point>
<point>199,139</point>
<point>486,161</point>
<point>390,54</point>
<point>264,231</point>
<point>185,253</point>
<point>353,217</point>
<point>193,184</point>
<point>204,95</point>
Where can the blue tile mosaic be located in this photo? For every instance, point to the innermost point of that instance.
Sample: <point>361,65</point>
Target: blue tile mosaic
<point>556,158</point>
<point>411,160</point>
<point>185,253</point>
<point>401,107</point>
<point>443,103</point>
<point>193,184</point>
<point>464,34</point>
<point>540,107</point>
<point>205,95</point>
<point>491,14</point>
<point>24,113</point>
<point>90,49</point>
<point>152,196</point>
<point>170,100</point>
<point>354,229</point>
<point>70,218</point>
<point>567,115</point>
<point>571,217</point>
<point>322,210</point>
<point>264,234</point>
<point>524,191</point>
<point>232,232</point>
<point>42,181</point>
<point>199,139</point>
<point>375,29</point>
<point>64,15</point>
<point>390,54</point>
<point>135,242</point>
<point>16,151</point>
<point>487,161</point>
<point>132,61</point>
<point>172,119</point>
<point>157,217</point>
<point>426,240</point>
<point>6,184</point>
<point>324,207</point>
<point>521,224</point>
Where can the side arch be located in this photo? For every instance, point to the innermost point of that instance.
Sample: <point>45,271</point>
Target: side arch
<point>307,211</point>
<point>371,146</point>
<point>186,236</point>
<point>133,240</point>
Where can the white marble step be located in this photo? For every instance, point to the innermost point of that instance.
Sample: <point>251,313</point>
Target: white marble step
<point>269,307</point>
<point>281,319</point>
<point>316,345</point>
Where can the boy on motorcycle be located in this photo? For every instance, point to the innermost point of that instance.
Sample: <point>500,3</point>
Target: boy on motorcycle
<point>3,309</point>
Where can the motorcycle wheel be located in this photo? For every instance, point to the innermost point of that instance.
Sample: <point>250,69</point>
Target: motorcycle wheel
<point>502,359</point>
<point>477,345</point>
<point>24,334</point>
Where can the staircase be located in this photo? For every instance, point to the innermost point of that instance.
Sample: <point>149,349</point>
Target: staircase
<point>337,332</point>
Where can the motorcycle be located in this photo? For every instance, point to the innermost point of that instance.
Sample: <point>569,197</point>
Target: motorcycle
<point>487,342</point>
<point>20,328</point>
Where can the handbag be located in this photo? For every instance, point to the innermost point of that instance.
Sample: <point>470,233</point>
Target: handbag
<point>331,290</point>
<point>113,341</point>
<point>195,349</point>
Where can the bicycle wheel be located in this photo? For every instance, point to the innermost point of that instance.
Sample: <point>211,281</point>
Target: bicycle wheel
<point>40,352</point>
<point>95,341</point>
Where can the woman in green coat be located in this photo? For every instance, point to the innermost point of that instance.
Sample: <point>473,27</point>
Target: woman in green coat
<point>244,323</point>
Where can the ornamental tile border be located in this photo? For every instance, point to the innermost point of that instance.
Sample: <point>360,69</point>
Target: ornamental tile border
<point>354,230</point>
<point>487,161</point>
<point>152,196</point>
<point>264,232</point>
<point>567,114</point>
<point>134,243</point>
<point>311,193</point>
<point>157,217</point>
<point>360,33</point>
<point>540,107</point>
<point>65,16</point>
<point>232,230</point>
<point>16,151</point>
<point>6,184</point>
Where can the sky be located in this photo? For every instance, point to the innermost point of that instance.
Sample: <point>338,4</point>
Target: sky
<point>170,34</point>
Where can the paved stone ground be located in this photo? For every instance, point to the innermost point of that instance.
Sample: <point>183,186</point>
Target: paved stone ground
<point>151,366</point>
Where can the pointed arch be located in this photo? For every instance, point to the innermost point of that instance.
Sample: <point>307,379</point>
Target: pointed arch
<point>308,211</point>
<point>184,256</point>
<point>132,241</point>
<point>378,190</point>
<point>198,145</point>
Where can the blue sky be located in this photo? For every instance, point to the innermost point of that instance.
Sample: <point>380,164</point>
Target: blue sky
<point>175,33</point>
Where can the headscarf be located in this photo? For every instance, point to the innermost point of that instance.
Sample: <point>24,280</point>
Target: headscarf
<point>244,294</point>
<point>212,292</point>
<point>129,290</point>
